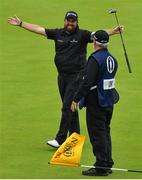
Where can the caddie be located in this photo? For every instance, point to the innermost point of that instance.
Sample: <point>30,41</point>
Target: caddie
<point>98,88</point>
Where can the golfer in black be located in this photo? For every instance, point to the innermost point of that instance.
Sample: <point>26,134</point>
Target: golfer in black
<point>70,59</point>
<point>98,88</point>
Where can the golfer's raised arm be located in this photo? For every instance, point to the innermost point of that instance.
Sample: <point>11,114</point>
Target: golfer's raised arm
<point>30,27</point>
<point>115,30</point>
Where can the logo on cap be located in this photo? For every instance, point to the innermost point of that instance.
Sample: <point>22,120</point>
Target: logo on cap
<point>71,14</point>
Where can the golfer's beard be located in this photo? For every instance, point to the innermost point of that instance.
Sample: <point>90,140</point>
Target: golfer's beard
<point>68,29</point>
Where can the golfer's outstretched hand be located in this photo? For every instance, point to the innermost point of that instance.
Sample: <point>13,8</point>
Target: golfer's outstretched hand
<point>74,106</point>
<point>118,29</point>
<point>14,21</point>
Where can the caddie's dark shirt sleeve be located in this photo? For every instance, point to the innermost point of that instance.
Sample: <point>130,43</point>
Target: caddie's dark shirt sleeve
<point>51,33</point>
<point>90,79</point>
<point>87,36</point>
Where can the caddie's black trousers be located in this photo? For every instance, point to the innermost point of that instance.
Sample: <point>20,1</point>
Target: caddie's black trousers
<point>98,124</point>
<point>67,84</point>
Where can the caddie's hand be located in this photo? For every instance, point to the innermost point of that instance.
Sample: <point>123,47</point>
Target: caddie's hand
<point>14,21</point>
<point>118,29</point>
<point>74,106</point>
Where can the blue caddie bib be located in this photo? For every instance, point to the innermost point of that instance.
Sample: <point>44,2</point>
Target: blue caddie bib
<point>107,95</point>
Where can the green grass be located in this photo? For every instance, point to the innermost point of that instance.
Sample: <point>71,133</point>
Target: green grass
<point>29,100</point>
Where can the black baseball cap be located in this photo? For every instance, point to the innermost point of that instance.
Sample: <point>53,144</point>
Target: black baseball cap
<point>71,14</point>
<point>101,37</point>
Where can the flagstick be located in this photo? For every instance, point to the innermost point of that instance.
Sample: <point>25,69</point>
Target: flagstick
<point>115,169</point>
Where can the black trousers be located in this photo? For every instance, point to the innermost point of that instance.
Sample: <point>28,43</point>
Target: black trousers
<point>98,124</point>
<point>67,84</point>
